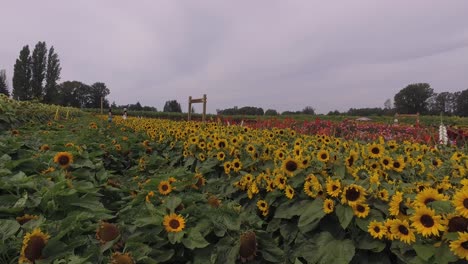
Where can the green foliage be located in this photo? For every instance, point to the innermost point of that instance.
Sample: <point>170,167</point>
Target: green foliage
<point>413,98</point>
<point>22,75</point>
<point>462,103</point>
<point>38,70</point>
<point>4,83</point>
<point>172,106</point>
<point>52,77</point>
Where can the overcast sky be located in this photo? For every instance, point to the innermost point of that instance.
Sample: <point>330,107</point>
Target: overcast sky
<point>278,54</point>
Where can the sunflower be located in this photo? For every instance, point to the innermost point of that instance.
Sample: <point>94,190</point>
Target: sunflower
<point>457,224</point>
<point>398,164</point>
<point>361,210</point>
<point>119,258</point>
<point>262,205</point>
<point>333,187</point>
<point>323,155</point>
<point>200,181</point>
<point>213,201</point>
<point>289,192</point>
<point>33,244</point>
<point>386,162</point>
<point>221,143</point>
<point>64,159</point>
<point>426,222</point>
<point>428,195</point>
<point>248,246</point>
<point>388,225</point>
<point>383,195</point>
<point>351,159</point>
<point>436,162</point>
<point>395,203</point>
<point>164,187</point>
<point>220,156</point>
<point>174,223</point>
<point>402,231</point>
<point>148,196</point>
<point>304,162</point>
<point>353,194</point>
<point>44,147</point>
<point>236,165</point>
<point>280,181</point>
<point>375,150</point>
<point>118,147</point>
<point>227,167</point>
<point>361,173</point>
<point>26,218</point>
<point>460,246</point>
<point>460,201</point>
<point>377,229</point>
<point>290,166</point>
<point>328,206</point>
<point>201,156</point>
<point>107,232</point>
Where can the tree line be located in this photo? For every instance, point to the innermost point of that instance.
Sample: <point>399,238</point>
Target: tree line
<point>36,76</point>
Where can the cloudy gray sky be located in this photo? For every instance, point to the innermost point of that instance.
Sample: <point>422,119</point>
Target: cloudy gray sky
<point>277,54</point>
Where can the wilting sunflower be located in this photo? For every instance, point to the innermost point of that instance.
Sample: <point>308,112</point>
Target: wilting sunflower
<point>377,229</point>
<point>333,187</point>
<point>323,155</point>
<point>174,223</point>
<point>44,147</point>
<point>149,196</point>
<point>248,246</point>
<point>290,166</point>
<point>64,159</point>
<point>164,187</point>
<point>375,150</point>
<point>328,206</point>
<point>427,222</point>
<point>289,192</point>
<point>107,232</point>
<point>213,201</point>
<point>33,244</point>
<point>200,181</point>
<point>119,258</point>
<point>460,201</point>
<point>459,247</point>
<point>428,195</point>
<point>26,218</point>
<point>353,194</point>
<point>361,210</point>
<point>402,231</point>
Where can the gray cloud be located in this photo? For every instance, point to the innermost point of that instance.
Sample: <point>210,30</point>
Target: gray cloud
<point>275,54</point>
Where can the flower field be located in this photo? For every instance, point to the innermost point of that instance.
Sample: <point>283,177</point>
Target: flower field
<point>77,189</point>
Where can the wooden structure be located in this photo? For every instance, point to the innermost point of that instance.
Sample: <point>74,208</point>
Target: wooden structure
<point>193,101</point>
<point>408,115</point>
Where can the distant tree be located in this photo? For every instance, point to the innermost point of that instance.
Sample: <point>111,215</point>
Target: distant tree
<point>38,70</point>
<point>52,77</point>
<point>461,103</point>
<point>365,111</point>
<point>172,106</point>
<point>271,112</point>
<point>22,75</point>
<point>96,91</point>
<point>308,110</point>
<point>442,103</point>
<point>413,98</point>
<point>4,83</point>
<point>388,104</point>
<point>75,94</point>
<point>334,113</point>
<point>291,113</point>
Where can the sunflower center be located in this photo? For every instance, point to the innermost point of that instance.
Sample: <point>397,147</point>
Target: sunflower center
<point>465,203</point>
<point>428,200</point>
<point>427,221</point>
<point>352,194</point>
<point>291,166</point>
<point>164,187</point>
<point>34,248</point>
<point>324,156</point>
<point>385,162</point>
<point>63,160</point>
<point>375,151</point>
<point>361,208</point>
<point>329,205</point>
<point>377,229</point>
<point>174,223</point>
<point>108,232</point>
<point>350,161</point>
<point>465,245</point>
<point>122,259</point>
<point>222,144</point>
<point>458,224</point>
<point>236,164</point>
<point>402,229</point>
<point>396,165</point>
<point>334,188</point>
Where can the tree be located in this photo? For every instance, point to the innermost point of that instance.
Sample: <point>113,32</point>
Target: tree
<point>172,106</point>
<point>271,112</point>
<point>442,103</point>
<point>22,75</point>
<point>388,104</point>
<point>4,83</point>
<point>52,77</point>
<point>413,98</point>
<point>75,94</point>
<point>461,103</point>
<point>38,68</point>
<point>97,91</point>
<point>308,110</point>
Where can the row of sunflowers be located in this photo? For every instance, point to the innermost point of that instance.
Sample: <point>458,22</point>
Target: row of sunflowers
<point>151,191</point>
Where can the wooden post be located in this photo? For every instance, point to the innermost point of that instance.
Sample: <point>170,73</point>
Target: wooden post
<point>204,108</point>
<point>189,107</point>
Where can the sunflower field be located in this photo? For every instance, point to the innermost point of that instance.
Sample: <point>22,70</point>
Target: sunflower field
<point>77,189</point>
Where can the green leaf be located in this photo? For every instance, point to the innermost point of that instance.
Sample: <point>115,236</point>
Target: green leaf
<point>345,215</point>
<point>162,255</point>
<point>173,202</point>
<point>8,228</point>
<point>269,247</point>
<point>288,210</point>
<point>444,255</point>
<point>442,207</point>
<point>311,216</point>
<point>194,240</point>
<point>325,249</point>
<point>175,237</point>
<point>424,251</point>
<point>368,243</point>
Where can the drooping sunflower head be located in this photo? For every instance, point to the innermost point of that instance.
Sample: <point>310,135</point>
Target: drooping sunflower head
<point>248,246</point>
<point>64,159</point>
<point>174,223</point>
<point>290,166</point>
<point>164,187</point>
<point>328,206</point>
<point>119,258</point>
<point>107,232</point>
<point>33,244</point>
<point>44,147</point>
<point>457,224</point>
<point>200,181</point>
<point>214,201</point>
<point>26,218</point>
